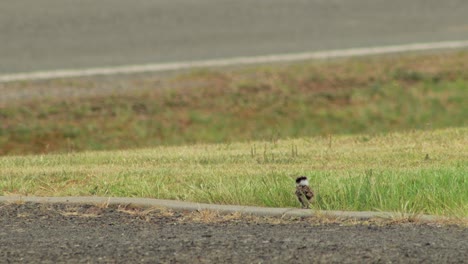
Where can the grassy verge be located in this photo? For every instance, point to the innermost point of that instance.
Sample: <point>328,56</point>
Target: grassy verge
<point>414,172</point>
<point>360,95</point>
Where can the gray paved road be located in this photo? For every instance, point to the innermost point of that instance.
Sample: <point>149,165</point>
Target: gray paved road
<point>54,34</point>
<point>32,233</point>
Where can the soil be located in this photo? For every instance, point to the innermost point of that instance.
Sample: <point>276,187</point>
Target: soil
<point>58,233</point>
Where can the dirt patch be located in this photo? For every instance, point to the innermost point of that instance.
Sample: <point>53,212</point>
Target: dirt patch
<point>74,234</point>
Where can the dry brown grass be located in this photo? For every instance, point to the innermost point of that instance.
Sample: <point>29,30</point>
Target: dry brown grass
<point>144,213</point>
<point>214,217</point>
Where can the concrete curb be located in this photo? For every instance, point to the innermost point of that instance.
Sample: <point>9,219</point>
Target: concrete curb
<point>223,209</point>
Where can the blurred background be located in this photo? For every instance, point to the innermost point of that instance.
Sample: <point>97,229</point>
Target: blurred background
<point>368,95</point>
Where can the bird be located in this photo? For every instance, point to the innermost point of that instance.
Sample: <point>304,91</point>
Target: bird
<point>303,192</point>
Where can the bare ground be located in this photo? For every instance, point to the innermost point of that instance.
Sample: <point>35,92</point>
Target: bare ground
<point>57,233</point>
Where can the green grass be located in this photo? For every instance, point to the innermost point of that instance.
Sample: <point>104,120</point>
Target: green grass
<point>352,96</point>
<point>375,133</point>
<point>412,172</point>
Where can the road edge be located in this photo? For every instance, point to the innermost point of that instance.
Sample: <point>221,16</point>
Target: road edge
<point>222,209</point>
<point>231,61</point>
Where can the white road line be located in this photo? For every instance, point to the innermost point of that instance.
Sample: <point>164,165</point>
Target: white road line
<point>232,61</point>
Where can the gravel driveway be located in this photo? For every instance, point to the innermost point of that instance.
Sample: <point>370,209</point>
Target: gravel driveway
<point>58,233</point>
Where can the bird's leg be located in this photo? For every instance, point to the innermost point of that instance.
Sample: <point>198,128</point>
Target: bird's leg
<point>304,201</point>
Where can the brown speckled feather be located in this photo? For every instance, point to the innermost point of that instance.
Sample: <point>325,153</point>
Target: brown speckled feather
<point>304,194</point>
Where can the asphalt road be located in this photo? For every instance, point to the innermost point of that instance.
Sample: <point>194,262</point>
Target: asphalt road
<point>58,233</point>
<point>56,34</point>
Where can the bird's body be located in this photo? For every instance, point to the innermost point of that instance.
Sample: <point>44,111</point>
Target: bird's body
<point>303,192</point>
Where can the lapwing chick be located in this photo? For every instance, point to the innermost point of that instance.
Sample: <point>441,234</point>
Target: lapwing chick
<point>303,192</point>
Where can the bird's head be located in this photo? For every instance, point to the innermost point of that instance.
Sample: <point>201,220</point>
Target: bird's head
<point>302,180</point>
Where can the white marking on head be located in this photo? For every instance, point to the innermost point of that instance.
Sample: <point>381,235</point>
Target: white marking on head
<point>304,182</point>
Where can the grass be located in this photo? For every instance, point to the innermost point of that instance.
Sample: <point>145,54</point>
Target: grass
<point>352,96</point>
<point>411,172</point>
<point>376,133</point>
